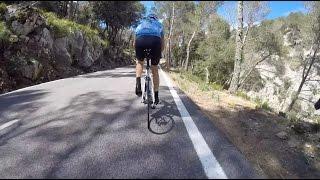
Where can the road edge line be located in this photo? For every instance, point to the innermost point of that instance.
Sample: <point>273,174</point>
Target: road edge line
<point>209,163</point>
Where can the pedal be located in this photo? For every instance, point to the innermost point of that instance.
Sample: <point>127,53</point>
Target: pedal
<point>144,100</point>
<point>159,102</point>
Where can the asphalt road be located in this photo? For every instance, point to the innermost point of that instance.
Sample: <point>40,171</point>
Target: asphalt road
<point>94,126</point>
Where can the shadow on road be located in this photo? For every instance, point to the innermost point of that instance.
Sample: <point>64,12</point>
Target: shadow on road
<point>65,132</point>
<point>70,139</point>
<point>161,121</point>
<point>109,75</point>
<point>117,73</point>
<point>16,102</point>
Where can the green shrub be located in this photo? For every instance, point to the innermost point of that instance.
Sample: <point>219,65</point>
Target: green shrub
<point>4,32</point>
<point>287,84</point>
<point>243,95</point>
<point>65,27</point>
<point>293,117</point>
<point>215,97</point>
<point>316,119</point>
<point>190,76</point>
<point>15,64</point>
<point>294,63</point>
<point>3,9</point>
<point>104,42</point>
<point>60,27</point>
<point>204,87</point>
<point>266,106</point>
<point>22,16</point>
<point>216,86</point>
<point>262,105</point>
<point>257,101</point>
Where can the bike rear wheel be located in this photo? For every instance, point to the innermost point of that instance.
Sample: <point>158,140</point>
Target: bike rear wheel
<point>148,102</point>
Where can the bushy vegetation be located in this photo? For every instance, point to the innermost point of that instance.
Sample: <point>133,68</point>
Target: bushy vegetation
<point>243,95</point>
<point>22,41</point>
<point>217,52</point>
<point>210,45</point>
<point>4,32</point>
<point>3,9</point>
<point>213,50</point>
<point>64,27</point>
<point>4,36</point>
<point>117,15</point>
<point>262,104</point>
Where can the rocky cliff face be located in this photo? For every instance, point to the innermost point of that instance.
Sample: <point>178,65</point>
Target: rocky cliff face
<point>36,54</point>
<point>280,84</point>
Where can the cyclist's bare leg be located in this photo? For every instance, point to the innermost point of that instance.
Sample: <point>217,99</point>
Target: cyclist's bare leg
<point>139,70</point>
<point>155,78</point>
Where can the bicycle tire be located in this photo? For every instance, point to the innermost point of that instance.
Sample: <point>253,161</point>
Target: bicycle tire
<point>148,83</point>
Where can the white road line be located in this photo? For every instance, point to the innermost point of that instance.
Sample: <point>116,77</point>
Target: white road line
<point>209,163</point>
<point>5,125</point>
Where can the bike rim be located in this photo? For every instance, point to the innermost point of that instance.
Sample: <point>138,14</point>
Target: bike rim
<point>148,103</point>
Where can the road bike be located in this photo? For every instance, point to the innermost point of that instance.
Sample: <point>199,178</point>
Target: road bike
<point>148,94</point>
<point>161,122</point>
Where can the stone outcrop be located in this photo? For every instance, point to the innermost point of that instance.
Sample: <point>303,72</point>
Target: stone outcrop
<point>37,55</point>
<point>279,85</point>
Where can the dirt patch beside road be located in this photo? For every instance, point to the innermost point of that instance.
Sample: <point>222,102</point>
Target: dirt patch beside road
<point>266,139</point>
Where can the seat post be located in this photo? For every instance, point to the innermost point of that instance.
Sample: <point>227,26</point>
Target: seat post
<point>148,58</point>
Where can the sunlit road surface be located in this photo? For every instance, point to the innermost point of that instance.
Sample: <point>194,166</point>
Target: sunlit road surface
<point>94,126</point>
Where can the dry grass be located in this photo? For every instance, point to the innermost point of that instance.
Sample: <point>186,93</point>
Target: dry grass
<point>253,131</point>
<point>212,98</point>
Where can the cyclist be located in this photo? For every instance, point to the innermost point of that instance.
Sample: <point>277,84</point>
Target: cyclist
<point>317,105</point>
<point>149,35</point>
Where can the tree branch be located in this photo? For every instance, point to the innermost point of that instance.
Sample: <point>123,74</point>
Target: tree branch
<point>304,99</point>
<point>318,80</point>
<point>252,68</point>
<point>266,70</point>
<point>246,34</point>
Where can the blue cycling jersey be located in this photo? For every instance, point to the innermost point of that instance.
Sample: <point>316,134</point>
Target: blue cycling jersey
<point>149,27</point>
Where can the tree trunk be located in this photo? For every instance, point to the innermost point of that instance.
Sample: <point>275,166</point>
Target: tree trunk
<point>180,60</point>
<point>65,9</point>
<point>234,85</point>
<point>245,76</point>
<point>305,74</point>
<point>113,35</point>
<point>182,63</point>
<point>167,50</point>
<point>70,10</point>
<point>207,75</point>
<point>168,62</point>
<point>188,51</point>
<point>76,11</point>
<point>296,95</point>
<point>121,30</point>
<point>130,38</point>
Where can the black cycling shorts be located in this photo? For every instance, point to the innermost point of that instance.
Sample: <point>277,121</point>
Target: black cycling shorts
<point>148,42</point>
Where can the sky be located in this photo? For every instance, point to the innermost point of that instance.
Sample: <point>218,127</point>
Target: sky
<point>278,8</point>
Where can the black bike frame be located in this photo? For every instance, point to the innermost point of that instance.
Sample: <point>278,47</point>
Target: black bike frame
<point>148,84</point>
